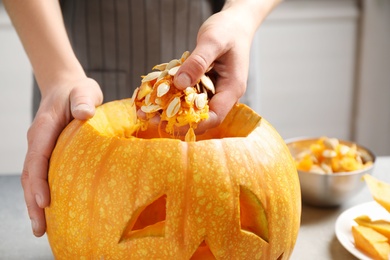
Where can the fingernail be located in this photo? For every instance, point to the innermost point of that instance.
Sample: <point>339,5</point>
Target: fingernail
<point>183,80</point>
<point>34,225</point>
<point>38,200</point>
<point>82,107</point>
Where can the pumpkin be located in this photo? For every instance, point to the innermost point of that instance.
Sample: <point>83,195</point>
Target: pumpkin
<point>232,194</point>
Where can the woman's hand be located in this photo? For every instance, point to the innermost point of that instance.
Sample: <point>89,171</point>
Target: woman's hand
<point>58,106</point>
<point>224,40</point>
<point>66,93</point>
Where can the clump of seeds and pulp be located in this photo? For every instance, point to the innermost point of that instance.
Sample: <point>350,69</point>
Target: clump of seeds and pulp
<point>157,95</point>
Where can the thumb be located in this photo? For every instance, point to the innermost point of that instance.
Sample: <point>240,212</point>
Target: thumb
<point>84,97</point>
<point>194,67</point>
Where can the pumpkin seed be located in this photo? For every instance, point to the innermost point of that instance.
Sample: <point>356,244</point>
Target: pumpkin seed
<point>135,93</point>
<point>326,167</point>
<point>189,90</point>
<point>204,90</point>
<point>173,71</point>
<point>331,143</point>
<point>147,100</point>
<point>317,169</point>
<point>162,89</point>
<point>151,76</point>
<point>344,149</point>
<point>329,153</point>
<point>184,56</point>
<point>207,83</point>
<point>173,107</point>
<point>151,108</point>
<point>201,100</point>
<point>190,98</point>
<point>172,64</point>
<point>162,75</point>
<point>161,66</point>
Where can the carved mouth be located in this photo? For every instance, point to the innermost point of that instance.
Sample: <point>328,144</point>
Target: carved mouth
<point>203,252</point>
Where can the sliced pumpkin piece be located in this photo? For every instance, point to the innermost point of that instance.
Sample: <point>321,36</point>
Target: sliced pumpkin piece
<point>379,190</point>
<point>381,226</point>
<point>371,242</point>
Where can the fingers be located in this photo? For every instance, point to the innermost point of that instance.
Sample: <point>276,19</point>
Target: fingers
<point>196,64</point>
<point>35,212</point>
<point>84,99</point>
<point>41,136</point>
<point>221,103</point>
<point>216,45</point>
<point>232,72</point>
<point>52,117</point>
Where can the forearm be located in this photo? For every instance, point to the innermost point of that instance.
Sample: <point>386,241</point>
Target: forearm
<point>251,12</point>
<point>41,30</point>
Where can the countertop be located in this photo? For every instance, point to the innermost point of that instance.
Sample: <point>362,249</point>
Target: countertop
<point>316,239</point>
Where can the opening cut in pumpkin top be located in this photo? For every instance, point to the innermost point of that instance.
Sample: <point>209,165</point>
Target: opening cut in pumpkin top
<point>157,96</point>
<point>119,119</point>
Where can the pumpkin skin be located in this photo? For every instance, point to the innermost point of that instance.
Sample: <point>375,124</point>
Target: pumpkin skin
<point>233,194</point>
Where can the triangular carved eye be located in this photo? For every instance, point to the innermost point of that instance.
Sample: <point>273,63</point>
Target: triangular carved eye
<point>252,214</point>
<point>147,221</point>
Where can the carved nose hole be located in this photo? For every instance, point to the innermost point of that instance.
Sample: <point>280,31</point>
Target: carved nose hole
<point>147,221</point>
<point>203,253</point>
<point>253,217</point>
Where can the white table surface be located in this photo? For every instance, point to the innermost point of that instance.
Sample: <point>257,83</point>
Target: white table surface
<point>316,239</point>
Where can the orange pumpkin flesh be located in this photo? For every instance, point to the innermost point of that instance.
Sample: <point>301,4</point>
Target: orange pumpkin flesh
<point>233,194</point>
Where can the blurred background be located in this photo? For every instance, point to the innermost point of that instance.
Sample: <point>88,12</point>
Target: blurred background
<point>319,67</point>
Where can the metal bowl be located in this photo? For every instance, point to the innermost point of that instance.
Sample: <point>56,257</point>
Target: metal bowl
<point>328,190</point>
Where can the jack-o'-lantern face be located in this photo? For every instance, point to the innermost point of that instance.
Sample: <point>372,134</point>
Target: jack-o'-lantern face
<point>251,225</point>
<point>131,198</point>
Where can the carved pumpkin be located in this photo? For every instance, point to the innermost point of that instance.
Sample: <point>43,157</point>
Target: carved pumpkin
<point>233,194</point>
